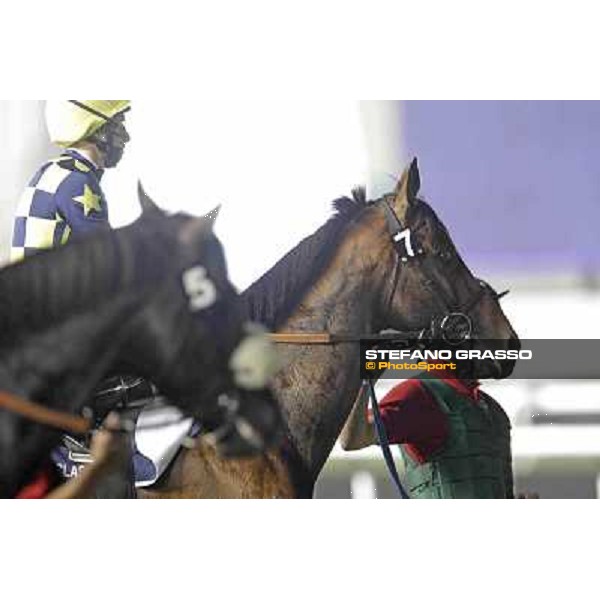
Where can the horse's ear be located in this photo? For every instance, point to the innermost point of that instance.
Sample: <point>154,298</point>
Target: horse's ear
<point>199,228</point>
<point>149,207</point>
<point>213,215</point>
<point>408,188</point>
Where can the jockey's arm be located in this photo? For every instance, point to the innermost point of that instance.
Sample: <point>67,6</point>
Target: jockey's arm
<point>81,204</point>
<point>359,432</point>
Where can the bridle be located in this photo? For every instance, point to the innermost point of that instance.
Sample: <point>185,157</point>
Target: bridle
<point>454,327</point>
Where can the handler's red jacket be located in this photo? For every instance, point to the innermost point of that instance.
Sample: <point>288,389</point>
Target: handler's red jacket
<point>411,416</point>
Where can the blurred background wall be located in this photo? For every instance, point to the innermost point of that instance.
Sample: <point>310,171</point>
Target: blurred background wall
<point>517,182</point>
<point>24,145</point>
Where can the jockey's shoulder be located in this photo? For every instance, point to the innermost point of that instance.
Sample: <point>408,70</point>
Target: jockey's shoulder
<point>67,176</point>
<point>75,162</point>
<point>69,168</point>
<point>75,182</point>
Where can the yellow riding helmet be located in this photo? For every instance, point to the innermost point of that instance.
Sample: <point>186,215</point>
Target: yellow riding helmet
<point>72,121</point>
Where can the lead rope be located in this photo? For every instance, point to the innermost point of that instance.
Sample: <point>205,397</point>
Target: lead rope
<point>384,443</point>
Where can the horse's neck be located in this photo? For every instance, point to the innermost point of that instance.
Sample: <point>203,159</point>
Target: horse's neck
<point>318,387</point>
<point>58,366</point>
<point>59,369</point>
<point>88,311</point>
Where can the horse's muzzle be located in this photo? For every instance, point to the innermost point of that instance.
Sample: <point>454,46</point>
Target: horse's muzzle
<point>496,368</point>
<point>251,420</point>
<point>255,361</point>
<point>252,424</point>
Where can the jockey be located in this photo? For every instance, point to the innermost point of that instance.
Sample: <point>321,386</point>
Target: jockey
<point>64,199</point>
<point>454,439</point>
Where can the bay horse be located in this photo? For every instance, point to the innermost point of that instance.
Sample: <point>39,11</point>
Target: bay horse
<point>386,264</point>
<point>152,299</point>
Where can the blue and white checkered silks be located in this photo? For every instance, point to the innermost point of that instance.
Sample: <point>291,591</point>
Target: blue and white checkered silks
<point>63,201</point>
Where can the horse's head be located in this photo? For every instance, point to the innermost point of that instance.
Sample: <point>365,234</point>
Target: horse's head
<point>427,286</point>
<point>195,344</point>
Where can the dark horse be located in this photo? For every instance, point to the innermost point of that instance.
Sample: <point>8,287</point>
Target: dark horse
<point>152,299</point>
<point>387,264</point>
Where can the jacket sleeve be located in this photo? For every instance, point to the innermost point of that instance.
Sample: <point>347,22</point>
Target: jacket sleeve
<point>411,416</point>
<point>81,204</point>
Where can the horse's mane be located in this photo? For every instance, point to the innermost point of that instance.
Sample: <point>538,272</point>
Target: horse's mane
<point>273,298</point>
<point>51,287</point>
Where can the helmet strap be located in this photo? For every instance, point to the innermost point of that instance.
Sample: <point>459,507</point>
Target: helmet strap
<point>89,109</point>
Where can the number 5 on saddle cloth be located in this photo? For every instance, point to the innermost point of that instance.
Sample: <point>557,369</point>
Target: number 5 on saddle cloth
<point>159,433</point>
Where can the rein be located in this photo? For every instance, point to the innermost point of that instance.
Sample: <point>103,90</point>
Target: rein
<point>62,421</point>
<point>384,442</point>
<point>330,339</point>
<point>43,415</point>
